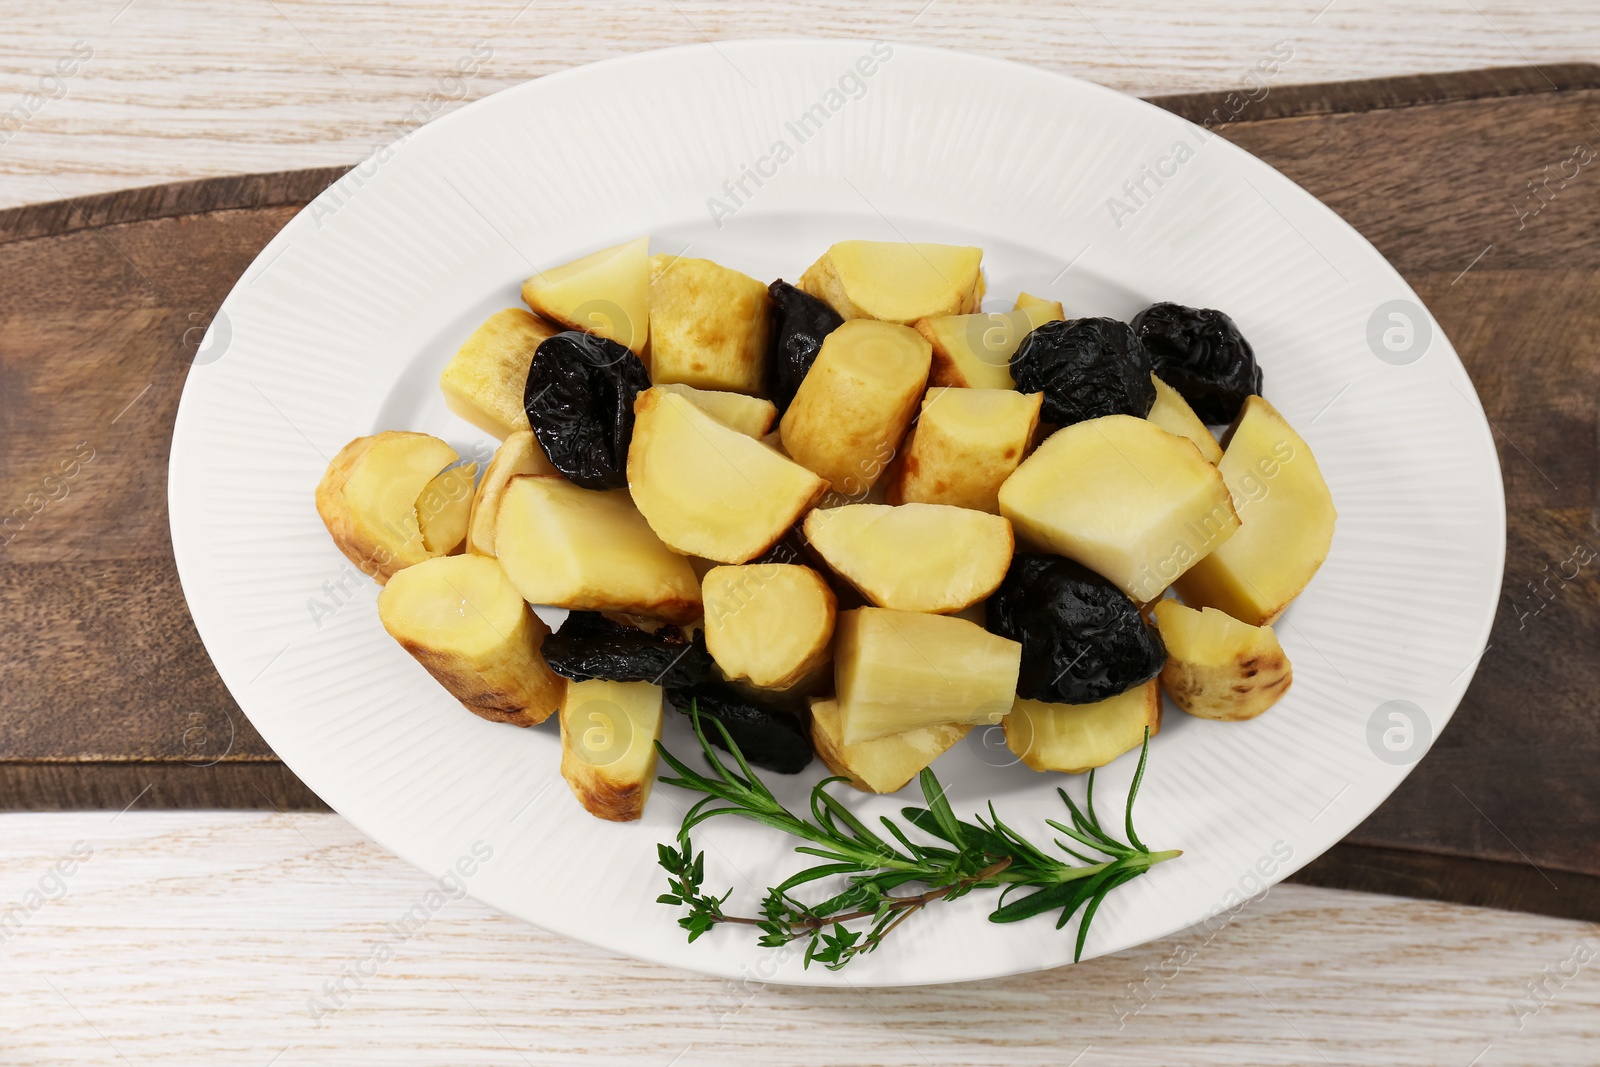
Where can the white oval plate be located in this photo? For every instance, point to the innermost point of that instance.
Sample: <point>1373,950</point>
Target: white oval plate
<point>759,155</point>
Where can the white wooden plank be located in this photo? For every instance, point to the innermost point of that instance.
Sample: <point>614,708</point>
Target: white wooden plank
<point>190,88</point>
<point>200,937</point>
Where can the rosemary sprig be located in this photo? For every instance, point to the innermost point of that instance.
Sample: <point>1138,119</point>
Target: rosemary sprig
<point>983,854</point>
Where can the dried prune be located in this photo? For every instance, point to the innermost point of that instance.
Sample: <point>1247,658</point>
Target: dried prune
<point>589,645</point>
<point>767,737</point>
<point>579,399</point>
<point>1201,354</point>
<point>799,323</point>
<point>1086,369</point>
<point>1082,639</point>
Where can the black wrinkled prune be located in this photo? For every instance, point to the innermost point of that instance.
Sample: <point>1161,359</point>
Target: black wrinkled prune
<point>1082,639</point>
<point>799,323</point>
<point>771,739</point>
<point>579,400</point>
<point>1086,369</point>
<point>1201,354</point>
<point>589,645</point>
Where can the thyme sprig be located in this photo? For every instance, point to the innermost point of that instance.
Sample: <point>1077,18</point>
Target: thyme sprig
<point>983,854</point>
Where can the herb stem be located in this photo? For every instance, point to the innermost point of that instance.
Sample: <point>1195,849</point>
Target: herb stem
<point>983,854</point>
<point>905,905</point>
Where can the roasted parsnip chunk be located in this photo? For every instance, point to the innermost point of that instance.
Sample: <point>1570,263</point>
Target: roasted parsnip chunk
<point>483,382</point>
<point>1173,414</point>
<point>855,403</point>
<point>1075,738</point>
<point>368,499</point>
<point>768,623</point>
<point>963,446</point>
<point>605,293</point>
<point>444,507</point>
<point>1218,667</point>
<point>750,415</point>
<point>1124,498</point>
<point>884,764</point>
<point>608,752</point>
<point>914,557</point>
<point>465,622</point>
<point>579,548</point>
<point>903,670</point>
<point>895,281</point>
<point>519,454</point>
<point>708,325</point>
<point>1028,300</point>
<point>1288,518</point>
<point>705,488</point>
<point>974,351</point>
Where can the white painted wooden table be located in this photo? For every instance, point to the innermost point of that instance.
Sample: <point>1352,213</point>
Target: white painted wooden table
<point>225,938</point>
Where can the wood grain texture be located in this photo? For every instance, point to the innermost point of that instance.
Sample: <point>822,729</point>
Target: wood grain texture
<point>204,937</point>
<point>178,89</point>
<point>1511,782</point>
<point>199,936</point>
<point>1513,274</point>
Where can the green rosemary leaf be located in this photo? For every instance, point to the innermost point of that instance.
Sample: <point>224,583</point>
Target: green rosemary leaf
<point>1103,844</point>
<point>691,821</point>
<point>1088,889</point>
<point>689,777</point>
<point>977,837</point>
<point>1133,791</point>
<point>982,854</point>
<point>811,874</point>
<point>1079,820</point>
<point>1066,895</point>
<point>827,854</point>
<point>836,807</point>
<point>1094,906</point>
<point>914,850</point>
<point>1088,802</point>
<point>721,769</point>
<point>924,820</point>
<point>694,812</point>
<point>1020,844</point>
<point>939,805</point>
<point>746,776</point>
<point>1062,845</point>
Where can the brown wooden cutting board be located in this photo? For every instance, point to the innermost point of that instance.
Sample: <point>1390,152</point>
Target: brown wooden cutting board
<point>1483,189</point>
